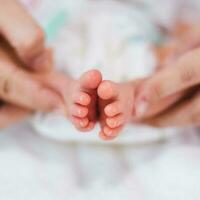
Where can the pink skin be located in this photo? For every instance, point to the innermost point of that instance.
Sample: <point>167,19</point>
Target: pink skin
<point>116,102</point>
<point>82,103</point>
<point>79,97</point>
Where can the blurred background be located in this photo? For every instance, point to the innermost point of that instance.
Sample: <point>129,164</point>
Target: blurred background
<point>45,158</point>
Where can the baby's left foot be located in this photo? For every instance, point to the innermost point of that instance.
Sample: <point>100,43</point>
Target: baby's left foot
<point>115,106</point>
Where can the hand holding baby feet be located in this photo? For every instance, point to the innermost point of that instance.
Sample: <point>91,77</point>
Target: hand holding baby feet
<point>115,106</point>
<point>82,100</point>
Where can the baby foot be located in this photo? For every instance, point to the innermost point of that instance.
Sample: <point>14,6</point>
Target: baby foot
<point>81,100</point>
<point>79,96</point>
<point>115,107</point>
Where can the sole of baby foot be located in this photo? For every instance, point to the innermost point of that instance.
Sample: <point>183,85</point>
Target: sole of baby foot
<point>83,108</point>
<point>115,106</point>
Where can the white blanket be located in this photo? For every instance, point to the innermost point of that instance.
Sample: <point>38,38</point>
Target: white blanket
<point>115,37</point>
<point>65,166</point>
<point>36,168</point>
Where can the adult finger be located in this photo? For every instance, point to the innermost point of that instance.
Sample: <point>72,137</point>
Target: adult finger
<point>158,107</point>
<point>184,114</point>
<point>10,114</point>
<point>18,87</point>
<point>184,74</point>
<point>23,34</point>
<point>163,104</point>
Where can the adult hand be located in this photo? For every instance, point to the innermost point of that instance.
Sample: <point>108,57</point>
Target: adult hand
<point>24,35</point>
<point>20,92</point>
<point>183,77</point>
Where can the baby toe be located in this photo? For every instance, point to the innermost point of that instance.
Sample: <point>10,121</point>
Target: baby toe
<point>116,121</point>
<point>113,109</point>
<point>82,98</point>
<point>78,111</point>
<point>112,132</point>
<point>89,127</point>
<point>107,90</point>
<point>80,122</point>
<point>91,79</point>
<point>105,137</point>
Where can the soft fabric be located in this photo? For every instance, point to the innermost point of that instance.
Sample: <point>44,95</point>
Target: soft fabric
<point>115,37</point>
<point>144,164</point>
<point>36,168</point>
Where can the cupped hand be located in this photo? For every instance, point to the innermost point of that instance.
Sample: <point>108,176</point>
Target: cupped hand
<point>22,52</point>
<point>181,79</point>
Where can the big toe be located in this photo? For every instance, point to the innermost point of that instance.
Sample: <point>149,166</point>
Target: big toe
<point>91,79</point>
<point>107,90</point>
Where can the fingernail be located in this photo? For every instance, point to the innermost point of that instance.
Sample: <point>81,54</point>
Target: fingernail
<point>141,108</point>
